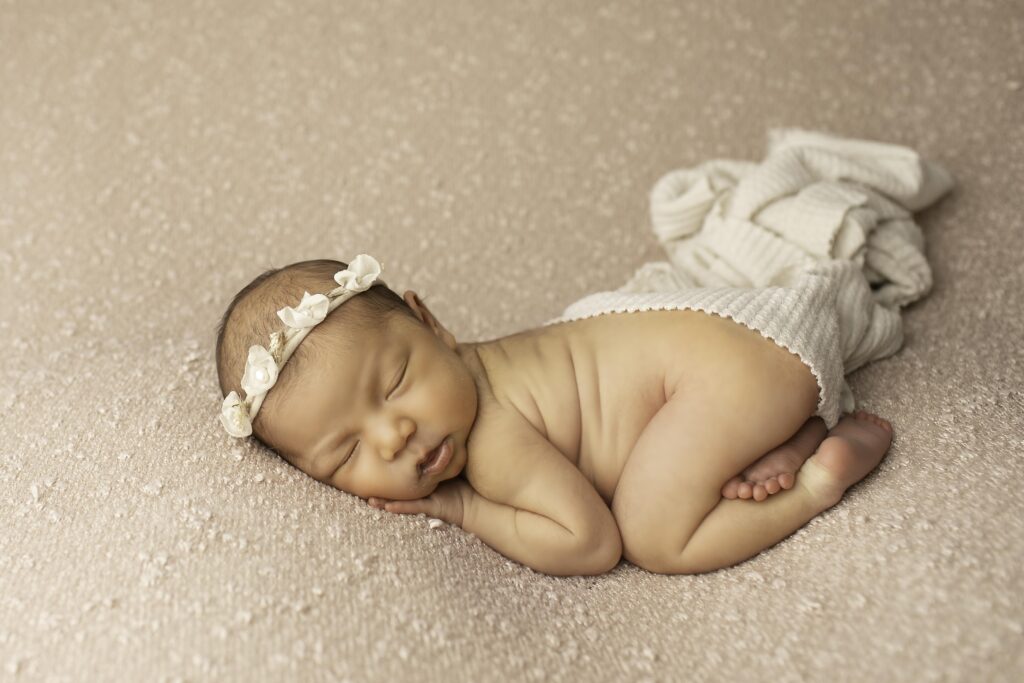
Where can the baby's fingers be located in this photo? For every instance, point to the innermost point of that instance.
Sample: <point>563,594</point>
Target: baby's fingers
<point>406,507</point>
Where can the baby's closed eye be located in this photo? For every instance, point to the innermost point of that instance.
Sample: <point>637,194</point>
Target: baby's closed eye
<point>401,379</point>
<point>395,387</point>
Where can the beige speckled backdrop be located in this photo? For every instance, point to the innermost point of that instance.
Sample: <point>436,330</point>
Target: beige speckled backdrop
<point>496,156</point>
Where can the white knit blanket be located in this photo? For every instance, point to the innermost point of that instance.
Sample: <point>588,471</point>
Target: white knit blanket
<point>815,198</point>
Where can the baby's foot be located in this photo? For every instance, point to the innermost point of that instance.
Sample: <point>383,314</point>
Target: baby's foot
<point>852,449</point>
<point>776,470</point>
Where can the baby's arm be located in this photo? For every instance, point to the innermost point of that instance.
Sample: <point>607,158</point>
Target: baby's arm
<point>531,504</point>
<point>539,542</point>
<point>534,539</point>
<point>525,500</point>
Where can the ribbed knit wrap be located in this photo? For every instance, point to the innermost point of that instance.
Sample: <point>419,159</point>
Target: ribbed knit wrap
<point>792,248</point>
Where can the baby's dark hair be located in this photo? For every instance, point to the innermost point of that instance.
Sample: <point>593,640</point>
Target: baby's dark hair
<point>252,316</point>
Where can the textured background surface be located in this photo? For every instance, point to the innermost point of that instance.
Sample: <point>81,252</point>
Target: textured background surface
<point>496,157</point>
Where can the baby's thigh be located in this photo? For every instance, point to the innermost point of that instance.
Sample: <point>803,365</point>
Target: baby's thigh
<point>728,415</point>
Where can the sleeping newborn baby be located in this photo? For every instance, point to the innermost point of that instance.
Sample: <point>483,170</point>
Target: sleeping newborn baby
<point>680,440</point>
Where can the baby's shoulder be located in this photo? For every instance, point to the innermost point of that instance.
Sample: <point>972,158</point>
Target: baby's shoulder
<point>498,431</point>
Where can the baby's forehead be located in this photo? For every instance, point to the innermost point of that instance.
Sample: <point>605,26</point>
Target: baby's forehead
<point>352,358</point>
<point>348,348</point>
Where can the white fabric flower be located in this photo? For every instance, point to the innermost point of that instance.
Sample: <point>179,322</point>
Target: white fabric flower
<point>234,417</point>
<point>360,274</point>
<point>311,311</point>
<point>260,371</point>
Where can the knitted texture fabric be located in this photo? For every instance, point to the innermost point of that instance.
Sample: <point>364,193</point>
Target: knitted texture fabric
<point>815,248</point>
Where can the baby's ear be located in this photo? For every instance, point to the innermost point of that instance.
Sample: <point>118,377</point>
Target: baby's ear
<point>417,305</point>
<point>411,298</point>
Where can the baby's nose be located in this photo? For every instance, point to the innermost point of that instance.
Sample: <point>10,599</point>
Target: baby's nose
<point>393,437</point>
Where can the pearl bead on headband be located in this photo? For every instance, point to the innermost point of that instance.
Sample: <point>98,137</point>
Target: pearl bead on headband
<point>263,366</point>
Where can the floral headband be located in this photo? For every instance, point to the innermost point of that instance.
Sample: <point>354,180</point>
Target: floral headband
<point>263,366</point>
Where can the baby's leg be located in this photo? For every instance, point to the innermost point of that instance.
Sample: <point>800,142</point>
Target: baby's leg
<point>724,421</point>
<point>736,530</point>
<point>668,502</point>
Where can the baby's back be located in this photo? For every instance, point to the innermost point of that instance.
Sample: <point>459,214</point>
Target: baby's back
<point>591,386</point>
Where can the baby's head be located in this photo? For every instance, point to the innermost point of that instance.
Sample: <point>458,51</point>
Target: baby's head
<point>366,395</point>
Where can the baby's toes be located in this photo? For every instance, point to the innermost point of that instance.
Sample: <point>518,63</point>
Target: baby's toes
<point>732,487</point>
<point>772,485</point>
<point>759,493</point>
<point>870,417</point>
<point>878,421</point>
<point>786,480</point>
<point>874,419</point>
<point>746,490</point>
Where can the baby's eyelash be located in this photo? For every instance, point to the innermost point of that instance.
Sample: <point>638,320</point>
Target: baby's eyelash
<point>400,380</point>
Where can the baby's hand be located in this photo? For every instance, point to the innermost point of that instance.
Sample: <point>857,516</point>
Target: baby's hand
<point>448,502</point>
